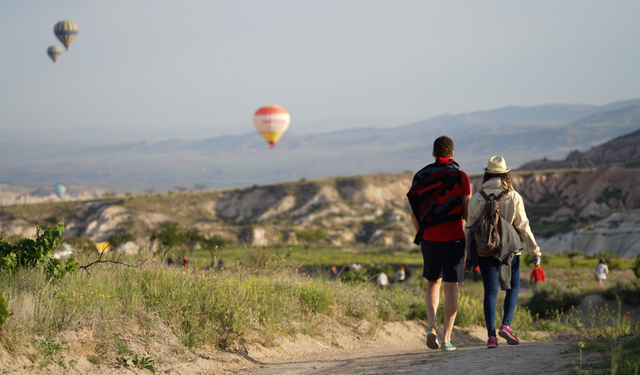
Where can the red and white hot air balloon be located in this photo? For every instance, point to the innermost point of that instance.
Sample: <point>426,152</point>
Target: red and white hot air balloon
<point>271,121</point>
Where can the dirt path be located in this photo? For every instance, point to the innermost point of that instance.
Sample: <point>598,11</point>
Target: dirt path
<point>528,358</point>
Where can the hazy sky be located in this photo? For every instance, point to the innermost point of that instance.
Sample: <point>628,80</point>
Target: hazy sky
<point>198,69</point>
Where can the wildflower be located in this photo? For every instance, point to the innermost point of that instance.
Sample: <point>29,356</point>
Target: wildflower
<point>628,313</point>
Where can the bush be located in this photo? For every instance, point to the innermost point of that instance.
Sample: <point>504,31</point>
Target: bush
<point>4,311</point>
<point>38,253</point>
<point>629,292</point>
<point>636,266</point>
<point>309,238</point>
<point>316,296</point>
<point>550,297</point>
<point>118,239</point>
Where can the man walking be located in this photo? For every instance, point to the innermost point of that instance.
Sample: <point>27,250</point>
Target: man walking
<point>439,197</point>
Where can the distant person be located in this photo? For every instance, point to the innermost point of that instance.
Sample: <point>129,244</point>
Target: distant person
<point>504,269</point>
<point>537,276</point>
<point>334,271</point>
<point>185,262</point>
<point>601,271</point>
<point>400,274</point>
<point>382,280</point>
<point>220,263</point>
<point>439,196</point>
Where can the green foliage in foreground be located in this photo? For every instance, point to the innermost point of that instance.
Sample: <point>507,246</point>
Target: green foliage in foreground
<point>4,312</point>
<point>619,356</point>
<point>38,253</point>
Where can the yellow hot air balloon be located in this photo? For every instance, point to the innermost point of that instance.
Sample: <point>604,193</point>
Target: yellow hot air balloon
<point>271,121</point>
<point>54,52</point>
<point>66,32</point>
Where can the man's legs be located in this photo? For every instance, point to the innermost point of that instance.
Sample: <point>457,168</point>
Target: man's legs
<point>432,299</point>
<point>450,308</point>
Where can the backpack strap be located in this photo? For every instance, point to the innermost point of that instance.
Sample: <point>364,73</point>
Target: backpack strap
<point>496,197</point>
<point>484,195</point>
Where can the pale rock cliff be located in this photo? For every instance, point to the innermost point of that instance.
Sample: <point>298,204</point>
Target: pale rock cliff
<point>619,233</point>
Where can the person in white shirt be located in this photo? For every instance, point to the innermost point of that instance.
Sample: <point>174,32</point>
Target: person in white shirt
<point>601,272</point>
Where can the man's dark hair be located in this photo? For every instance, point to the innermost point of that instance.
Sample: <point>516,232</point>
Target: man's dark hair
<point>443,147</point>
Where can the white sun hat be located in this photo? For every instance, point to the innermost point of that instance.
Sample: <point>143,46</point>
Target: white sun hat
<point>497,165</point>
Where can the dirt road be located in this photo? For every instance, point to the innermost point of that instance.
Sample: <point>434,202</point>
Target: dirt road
<point>527,358</point>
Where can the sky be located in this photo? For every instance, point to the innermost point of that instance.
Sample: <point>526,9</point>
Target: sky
<point>153,70</point>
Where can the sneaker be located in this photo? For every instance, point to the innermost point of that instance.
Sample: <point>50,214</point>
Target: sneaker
<point>448,346</point>
<point>507,334</point>
<point>432,339</point>
<point>492,343</point>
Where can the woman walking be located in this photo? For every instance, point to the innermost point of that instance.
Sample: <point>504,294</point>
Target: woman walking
<point>497,180</point>
<point>601,272</point>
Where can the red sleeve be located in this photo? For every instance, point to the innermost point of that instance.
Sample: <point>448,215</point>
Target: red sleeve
<point>466,187</point>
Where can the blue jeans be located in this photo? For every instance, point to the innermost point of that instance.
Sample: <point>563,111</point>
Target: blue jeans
<point>489,270</point>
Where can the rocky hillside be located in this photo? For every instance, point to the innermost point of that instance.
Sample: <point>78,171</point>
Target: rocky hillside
<point>369,209</point>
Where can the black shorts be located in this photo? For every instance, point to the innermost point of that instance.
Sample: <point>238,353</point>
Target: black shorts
<point>443,260</point>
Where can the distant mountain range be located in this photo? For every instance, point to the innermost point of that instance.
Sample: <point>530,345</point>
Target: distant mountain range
<point>520,134</point>
<point>623,149</point>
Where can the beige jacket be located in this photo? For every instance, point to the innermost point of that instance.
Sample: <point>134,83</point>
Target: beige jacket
<point>511,208</point>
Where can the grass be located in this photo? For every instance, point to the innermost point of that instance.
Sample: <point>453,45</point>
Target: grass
<point>246,303</point>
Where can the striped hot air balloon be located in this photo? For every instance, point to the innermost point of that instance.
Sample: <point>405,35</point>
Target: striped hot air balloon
<point>66,31</point>
<point>54,52</point>
<point>271,121</point>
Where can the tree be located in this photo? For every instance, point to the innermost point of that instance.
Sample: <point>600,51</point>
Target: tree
<point>214,244</point>
<point>181,189</point>
<point>309,237</point>
<point>199,187</point>
<point>170,237</point>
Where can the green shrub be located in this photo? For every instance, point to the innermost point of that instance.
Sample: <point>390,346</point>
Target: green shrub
<point>636,266</point>
<point>629,292</point>
<point>417,311</point>
<point>398,304</point>
<point>308,237</point>
<point>4,311</point>
<point>38,253</point>
<point>470,311</point>
<point>355,277</point>
<point>118,239</point>
<point>549,297</point>
<point>316,296</point>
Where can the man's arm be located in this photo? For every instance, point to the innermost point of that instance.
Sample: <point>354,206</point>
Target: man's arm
<point>416,224</point>
<point>465,206</point>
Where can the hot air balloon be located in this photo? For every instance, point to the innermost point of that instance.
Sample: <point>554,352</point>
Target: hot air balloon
<point>54,52</point>
<point>271,121</point>
<point>66,31</point>
<point>59,190</point>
